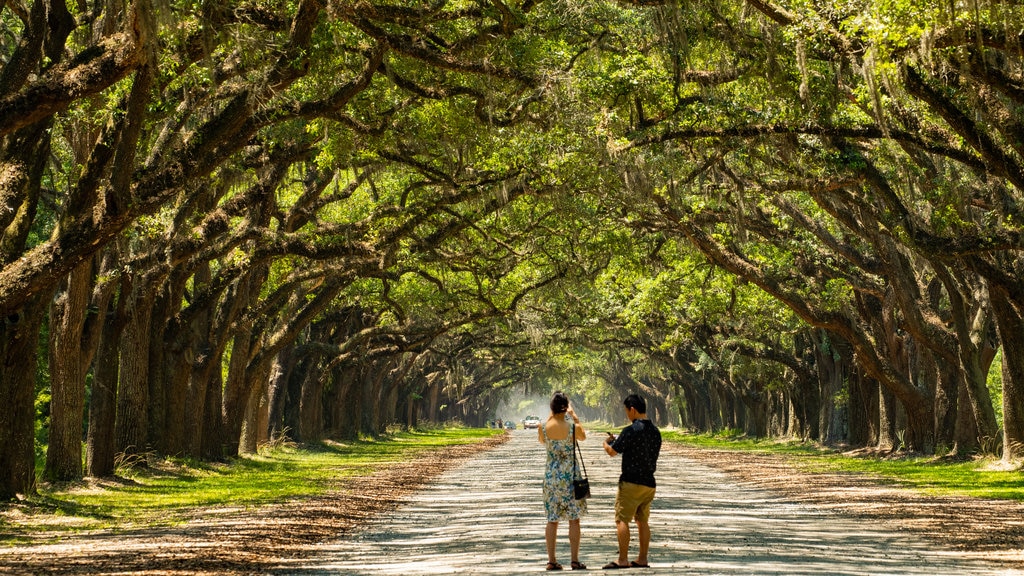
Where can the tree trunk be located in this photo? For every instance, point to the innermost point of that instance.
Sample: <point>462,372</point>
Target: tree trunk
<point>204,363</point>
<point>980,401</point>
<point>68,366</point>
<point>757,414</point>
<point>19,342</point>
<point>1010,323</point>
<point>247,436</point>
<point>887,432</point>
<point>277,391</point>
<point>390,406</point>
<point>976,362</point>
<point>212,439</point>
<point>263,416</point>
<point>22,159</point>
<point>101,451</point>
<point>236,393</point>
<point>176,375</point>
<point>967,433</point>
<point>254,423</point>
<point>348,402</point>
<point>434,401</point>
<point>777,413</point>
<point>716,417</point>
<point>292,407</point>
<point>681,405</point>
<point>947,398</point>
<point>805,406</point>
<point>246,345</point>
<point>132,425</point>
<point>199,379</point>
<point>373,385</point>
<point>832,373</point>
<point>795,425</point>
<point>723,412</point>
<point>311,408</point>
<point>162,356</point>
<point>864,409</point>
<point>412,408</point>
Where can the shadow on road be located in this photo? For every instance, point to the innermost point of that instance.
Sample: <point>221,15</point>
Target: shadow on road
<point>487,517</point>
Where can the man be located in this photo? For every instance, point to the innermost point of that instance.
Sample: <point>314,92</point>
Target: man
<point>639,443</point>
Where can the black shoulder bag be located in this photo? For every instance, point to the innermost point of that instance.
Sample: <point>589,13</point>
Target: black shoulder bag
<point>580,486</point>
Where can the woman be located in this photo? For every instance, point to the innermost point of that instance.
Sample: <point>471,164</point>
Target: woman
<point>557,435</point>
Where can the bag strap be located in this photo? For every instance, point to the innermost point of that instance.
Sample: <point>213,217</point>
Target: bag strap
<point>575,448</point>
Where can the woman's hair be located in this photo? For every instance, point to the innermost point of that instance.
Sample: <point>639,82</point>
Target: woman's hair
<point>559,403</point>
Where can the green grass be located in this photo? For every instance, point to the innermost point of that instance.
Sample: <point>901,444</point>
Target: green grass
<point>735,441</point>
<point>979,477</point>
<point>167,494</point>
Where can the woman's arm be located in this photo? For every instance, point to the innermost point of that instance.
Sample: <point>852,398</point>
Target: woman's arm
<point>581,434</point>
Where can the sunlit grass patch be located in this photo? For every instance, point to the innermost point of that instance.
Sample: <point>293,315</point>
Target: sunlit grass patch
<point>734,440</point>
<point>975,477</point>
<point>171,491</point>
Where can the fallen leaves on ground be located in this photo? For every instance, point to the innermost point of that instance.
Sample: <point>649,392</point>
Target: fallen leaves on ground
<point>985,528</point>
<point>219,541</point>
<point>251,540</point>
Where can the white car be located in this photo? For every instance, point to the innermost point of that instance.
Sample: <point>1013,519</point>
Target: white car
<point>531,422</point>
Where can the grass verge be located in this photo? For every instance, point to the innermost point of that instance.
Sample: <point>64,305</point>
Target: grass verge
<point>981,477</point>
<point>171,491</point>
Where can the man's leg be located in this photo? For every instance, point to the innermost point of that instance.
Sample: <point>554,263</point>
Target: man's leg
<point>622,530</point>
<point>644,536</point>
<point>625,510</point>
<point>643,526</point>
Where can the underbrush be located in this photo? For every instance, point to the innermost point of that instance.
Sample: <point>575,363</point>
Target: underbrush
<point>978,477</point>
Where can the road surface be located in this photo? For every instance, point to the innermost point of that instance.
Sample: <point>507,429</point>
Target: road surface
<point>487,517</point>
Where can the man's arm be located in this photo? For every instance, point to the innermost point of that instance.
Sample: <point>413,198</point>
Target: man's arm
<point>608,446</point>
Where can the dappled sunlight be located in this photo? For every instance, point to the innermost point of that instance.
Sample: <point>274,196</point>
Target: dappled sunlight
<point>487,517</point>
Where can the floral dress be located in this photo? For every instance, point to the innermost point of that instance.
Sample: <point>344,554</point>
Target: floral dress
<point>559,502</point>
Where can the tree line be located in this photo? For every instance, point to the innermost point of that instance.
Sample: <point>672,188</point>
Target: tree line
<point>877,199</point>
<point>226,224</point>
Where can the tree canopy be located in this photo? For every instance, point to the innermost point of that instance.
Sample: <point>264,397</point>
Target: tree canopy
<point>223,223</point>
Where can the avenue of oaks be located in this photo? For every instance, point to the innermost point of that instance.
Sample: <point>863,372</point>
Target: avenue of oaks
<point>223,223</point>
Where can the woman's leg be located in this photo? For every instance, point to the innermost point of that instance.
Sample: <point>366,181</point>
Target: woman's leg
<point>549,536</point>
<point>574,539</point>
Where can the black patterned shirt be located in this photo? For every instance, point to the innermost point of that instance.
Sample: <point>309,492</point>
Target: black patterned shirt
<point>639,443</point>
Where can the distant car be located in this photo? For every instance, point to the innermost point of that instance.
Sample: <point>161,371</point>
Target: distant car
<point>510,425</point>
<point>531,422</point>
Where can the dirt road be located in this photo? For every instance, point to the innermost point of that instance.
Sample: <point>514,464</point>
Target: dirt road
<point>486,517</point>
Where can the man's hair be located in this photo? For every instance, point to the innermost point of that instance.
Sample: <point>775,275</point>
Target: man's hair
<point>635,401</point>
<point>559,403</point>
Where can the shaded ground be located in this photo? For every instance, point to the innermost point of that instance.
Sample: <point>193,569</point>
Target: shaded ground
<point>725,513</point>
<point>989,529</point>
<point>486,517</point>
<point>234,540</point>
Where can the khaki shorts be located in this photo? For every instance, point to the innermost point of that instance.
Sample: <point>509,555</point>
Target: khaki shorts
<point>633,501</point>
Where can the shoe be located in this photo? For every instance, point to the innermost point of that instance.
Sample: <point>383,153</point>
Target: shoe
<point>554,566</point>
<point>613,565</point>
<point>578,566</point>
<point>635,564</point>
